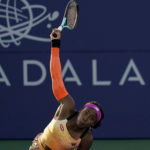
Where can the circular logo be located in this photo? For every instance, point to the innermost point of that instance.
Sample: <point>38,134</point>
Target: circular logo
<point>61,127</point>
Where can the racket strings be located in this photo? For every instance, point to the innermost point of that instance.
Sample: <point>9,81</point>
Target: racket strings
<point>72,14</point>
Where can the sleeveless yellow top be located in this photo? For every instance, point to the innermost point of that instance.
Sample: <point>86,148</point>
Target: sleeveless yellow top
<point>56,136</point>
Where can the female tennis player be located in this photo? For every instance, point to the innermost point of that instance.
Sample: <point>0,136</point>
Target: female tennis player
<point>69,129</point>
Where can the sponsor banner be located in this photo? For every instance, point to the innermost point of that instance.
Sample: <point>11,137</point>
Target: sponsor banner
<point>118,81</point>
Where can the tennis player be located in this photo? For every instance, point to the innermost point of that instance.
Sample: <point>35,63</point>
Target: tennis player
<point>69,129</point>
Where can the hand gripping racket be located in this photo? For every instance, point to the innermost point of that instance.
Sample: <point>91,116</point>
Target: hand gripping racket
<point>70,16</point>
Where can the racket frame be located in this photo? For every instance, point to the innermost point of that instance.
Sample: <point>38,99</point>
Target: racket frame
<point>62,26</point>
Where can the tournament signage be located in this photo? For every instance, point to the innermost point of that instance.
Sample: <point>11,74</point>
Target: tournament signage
<point>92,68</point>
<point>120,82</point>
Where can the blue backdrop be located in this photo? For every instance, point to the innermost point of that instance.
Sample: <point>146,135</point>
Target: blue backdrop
<point>106,58</point>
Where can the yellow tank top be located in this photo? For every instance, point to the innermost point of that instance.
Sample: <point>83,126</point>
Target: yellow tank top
<point>56,136</point>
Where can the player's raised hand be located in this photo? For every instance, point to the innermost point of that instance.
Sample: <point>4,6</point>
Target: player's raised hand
<point>56,34</point>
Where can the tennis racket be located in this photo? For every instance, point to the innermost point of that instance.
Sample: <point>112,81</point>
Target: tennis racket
<point>70,18</point>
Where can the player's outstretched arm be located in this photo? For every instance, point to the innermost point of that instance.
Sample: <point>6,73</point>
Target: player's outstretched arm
<point>58,87</point>
<point>67,106</point>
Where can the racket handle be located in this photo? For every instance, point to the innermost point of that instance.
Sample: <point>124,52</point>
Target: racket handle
<point>60,28</point>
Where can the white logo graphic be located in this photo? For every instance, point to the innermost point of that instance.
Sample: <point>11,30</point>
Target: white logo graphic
<point>18,17</point>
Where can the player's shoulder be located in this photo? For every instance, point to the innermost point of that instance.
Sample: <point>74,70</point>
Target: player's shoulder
<point>67,100</point>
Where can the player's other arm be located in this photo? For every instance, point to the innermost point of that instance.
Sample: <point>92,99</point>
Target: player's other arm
<point>86,142</point>
<point>58,87</point>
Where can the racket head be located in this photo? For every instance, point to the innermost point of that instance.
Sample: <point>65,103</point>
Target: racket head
<point>71,14</point>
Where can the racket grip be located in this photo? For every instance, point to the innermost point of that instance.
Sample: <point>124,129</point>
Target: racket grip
<point>60,28</point>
